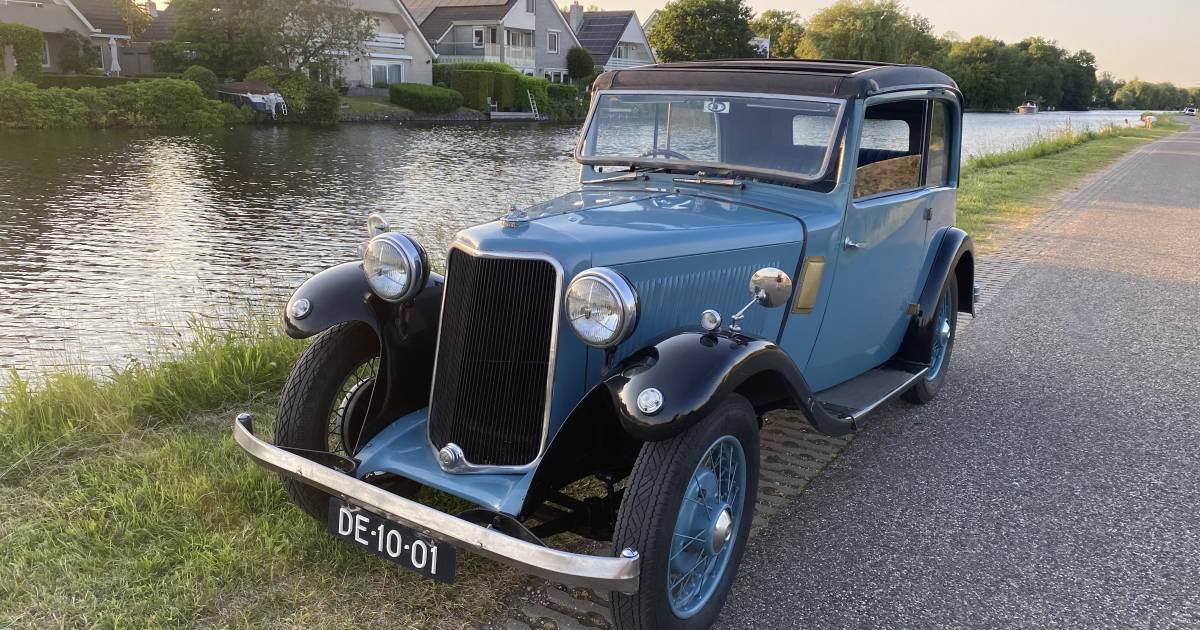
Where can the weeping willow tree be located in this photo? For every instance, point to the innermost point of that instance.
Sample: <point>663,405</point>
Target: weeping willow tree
<point>879,30</point>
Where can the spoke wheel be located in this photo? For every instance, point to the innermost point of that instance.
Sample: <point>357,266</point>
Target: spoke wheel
<point>350,406</point>
<point>942,332</point>
<point>687,512</point>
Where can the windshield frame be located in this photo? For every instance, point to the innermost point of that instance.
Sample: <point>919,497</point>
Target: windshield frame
<point>713,167</point>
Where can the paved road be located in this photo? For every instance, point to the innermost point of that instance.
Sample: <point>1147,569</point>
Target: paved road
<point>1056,479</point>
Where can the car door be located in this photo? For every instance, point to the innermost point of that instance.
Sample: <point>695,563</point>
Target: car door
<point>882,245</point>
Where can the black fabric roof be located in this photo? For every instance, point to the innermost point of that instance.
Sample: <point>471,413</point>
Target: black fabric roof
<point>832,78</point>
<point>600,31</point>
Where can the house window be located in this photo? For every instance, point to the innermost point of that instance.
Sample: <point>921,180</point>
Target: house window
<point>529,6</point>
<point>619,52</point>
<point>477,37</point>
<point>552,42</point>
<point>492,35</point>
<point>45,53</point>
<point>386,73</point>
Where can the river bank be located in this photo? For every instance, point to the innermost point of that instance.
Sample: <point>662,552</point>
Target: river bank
<point>125,501</point>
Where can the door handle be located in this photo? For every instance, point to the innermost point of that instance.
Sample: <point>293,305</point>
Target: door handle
<point>849,244</point>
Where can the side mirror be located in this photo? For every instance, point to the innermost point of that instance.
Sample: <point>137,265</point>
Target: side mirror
<point>770,287</point>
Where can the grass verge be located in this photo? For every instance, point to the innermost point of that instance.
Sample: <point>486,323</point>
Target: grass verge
<point>999,192</point>
<point>370,105</point>
<point>125,502</point>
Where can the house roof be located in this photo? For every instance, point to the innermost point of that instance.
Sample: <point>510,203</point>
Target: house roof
<point>831,78</point>
<point>163,26</point>
<point>435,16</point>
<point>600,31</point>
<point>103,15</point>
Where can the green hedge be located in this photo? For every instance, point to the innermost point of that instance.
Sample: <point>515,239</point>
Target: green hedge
<point>76,81</point>
<point>27,47</point>
<point>426,99</point>
<point>159,75</point>
<point>152,103</point>
<point>506,87</point>
<point>538,87</point>
<point>488,66</point>
<point>566,103</point>
<point>441,74</point>
<point>203,77</point>
<point>474,85</point>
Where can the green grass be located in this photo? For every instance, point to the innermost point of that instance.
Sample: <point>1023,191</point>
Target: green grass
<point>370,105</point>
<point>125,502</point>
<point>999,192</point>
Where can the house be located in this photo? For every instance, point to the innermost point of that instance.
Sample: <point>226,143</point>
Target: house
<point>398,53</point>
<point>97,20</point>
<point>614,38</point>
<point>532,36</point>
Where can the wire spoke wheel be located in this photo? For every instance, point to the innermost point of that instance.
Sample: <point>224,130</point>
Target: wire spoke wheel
<point>943,330</point>
<point>350,408</point>
<point>709,518</point>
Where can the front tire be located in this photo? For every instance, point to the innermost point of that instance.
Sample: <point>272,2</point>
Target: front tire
<point>324,402</point>
<point>941,340</point>
<point>687,510</point>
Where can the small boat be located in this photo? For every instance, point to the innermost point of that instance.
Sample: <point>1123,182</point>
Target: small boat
<point>257,95</point>
<point>1028,107</point>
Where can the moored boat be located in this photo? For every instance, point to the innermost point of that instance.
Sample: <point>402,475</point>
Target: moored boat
<point>1028,107</point>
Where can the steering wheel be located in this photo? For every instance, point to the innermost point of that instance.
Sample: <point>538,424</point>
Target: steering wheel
<point>666,153</point>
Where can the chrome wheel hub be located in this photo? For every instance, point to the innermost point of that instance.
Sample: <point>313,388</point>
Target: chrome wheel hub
<point>722,530</point>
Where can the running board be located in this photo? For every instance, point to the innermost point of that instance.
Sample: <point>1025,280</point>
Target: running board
<point>864,393</point>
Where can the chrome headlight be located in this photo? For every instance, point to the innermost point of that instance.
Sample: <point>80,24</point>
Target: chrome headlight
<point>602,307</point>
<point>395,266</point>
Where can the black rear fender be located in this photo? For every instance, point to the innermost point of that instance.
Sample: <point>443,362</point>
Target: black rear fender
<point>954,258</point>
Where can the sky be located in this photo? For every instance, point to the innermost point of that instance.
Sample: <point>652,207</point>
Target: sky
<point>1158,44</point>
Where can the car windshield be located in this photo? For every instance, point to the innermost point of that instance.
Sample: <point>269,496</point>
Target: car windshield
<point>776,137</point>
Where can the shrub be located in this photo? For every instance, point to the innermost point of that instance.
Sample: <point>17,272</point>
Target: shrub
<point>381,85</point>
<point>163,103</point>
<point>263,74</point>
<point>24,105</point>
<point>324,105</point>
<point>75,81</point>
<point>536,86</point>
<point>565,102</point>
<point>204,78</point>
<point>489,66</point>
<point>426,99</point>
<point>441,74</point>
<point>505,87</point>
<point>159,75</point>
<point>579,63</point>
<point>474,85</point>
<point>77,54</point>
<point>295,90</point>
<point>27,47</point>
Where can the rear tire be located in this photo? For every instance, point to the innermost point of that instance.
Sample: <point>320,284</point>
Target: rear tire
<point>654,519</point>
<point>315,406</point>
<point>941,339</point>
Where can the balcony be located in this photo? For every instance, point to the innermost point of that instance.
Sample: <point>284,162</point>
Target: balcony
<point>515,56</point>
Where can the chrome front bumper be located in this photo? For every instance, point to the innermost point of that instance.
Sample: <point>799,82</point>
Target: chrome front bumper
<point>574,569</point>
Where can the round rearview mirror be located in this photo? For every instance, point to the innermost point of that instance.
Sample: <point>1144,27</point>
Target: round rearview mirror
<point>771,287</point>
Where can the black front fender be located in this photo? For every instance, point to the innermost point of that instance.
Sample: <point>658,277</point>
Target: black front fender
<point>407,334</point>
<point>694,371</point>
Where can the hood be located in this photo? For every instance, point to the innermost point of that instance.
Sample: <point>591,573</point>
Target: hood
<point>606,228</point>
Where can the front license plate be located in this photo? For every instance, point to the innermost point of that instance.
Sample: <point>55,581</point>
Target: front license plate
<point>390,540</point>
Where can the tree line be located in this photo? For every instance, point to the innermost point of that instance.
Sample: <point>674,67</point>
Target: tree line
<point>992,74</point>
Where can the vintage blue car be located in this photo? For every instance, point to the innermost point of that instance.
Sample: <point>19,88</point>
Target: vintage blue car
<point>609,334</point>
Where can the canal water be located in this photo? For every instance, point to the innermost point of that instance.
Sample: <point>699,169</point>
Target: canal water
<point>111,240</point>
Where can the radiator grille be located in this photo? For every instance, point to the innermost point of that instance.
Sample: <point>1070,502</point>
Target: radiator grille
<point>493,359</point>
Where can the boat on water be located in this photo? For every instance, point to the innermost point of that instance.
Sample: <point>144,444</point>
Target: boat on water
<point>1028,107</point>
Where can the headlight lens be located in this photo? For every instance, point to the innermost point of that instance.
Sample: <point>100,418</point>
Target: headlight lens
<point>395,266</point>
<point>602,307</point>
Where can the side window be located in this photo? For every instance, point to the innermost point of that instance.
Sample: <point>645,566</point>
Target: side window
<point>889,152</point>
<point>937,173</point>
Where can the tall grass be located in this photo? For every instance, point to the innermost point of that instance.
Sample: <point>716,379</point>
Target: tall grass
<point>214,366</point>
<point>1062,139</point>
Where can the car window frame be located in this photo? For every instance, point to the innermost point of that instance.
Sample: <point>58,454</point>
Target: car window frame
<point>952,131</point>
<point>828,160</point>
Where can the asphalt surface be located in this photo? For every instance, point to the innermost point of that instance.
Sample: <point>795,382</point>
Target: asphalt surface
<point>1055,481</point>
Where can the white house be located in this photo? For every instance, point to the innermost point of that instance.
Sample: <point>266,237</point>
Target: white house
<point>530,35</point>
<point>397,54</point>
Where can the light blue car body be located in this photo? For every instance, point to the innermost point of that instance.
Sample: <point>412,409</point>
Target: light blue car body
<point>690,247</point>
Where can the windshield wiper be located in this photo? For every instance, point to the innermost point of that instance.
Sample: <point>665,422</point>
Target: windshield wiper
<point>624,177</point>
<point>719,181</point>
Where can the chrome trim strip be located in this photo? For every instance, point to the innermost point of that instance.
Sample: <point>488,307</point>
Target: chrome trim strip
<point>752,171</point>
<point>464,466</point>
<point>595,572</point>
<point>892,394</point>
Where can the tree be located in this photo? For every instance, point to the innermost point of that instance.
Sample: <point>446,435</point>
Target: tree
<point>76,52</point>
<point>702,29</point>
<point>875,30</point>
<point>783,28</point>
<point>314,31</point>
<point>134,15</point>
<point>230,37</point>
<point>579,63</point>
